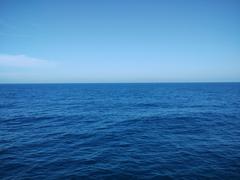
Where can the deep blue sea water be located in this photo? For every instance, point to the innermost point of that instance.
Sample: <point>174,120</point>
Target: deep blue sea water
<point>120,131</point>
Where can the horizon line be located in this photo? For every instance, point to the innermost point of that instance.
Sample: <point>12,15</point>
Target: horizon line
<point>182,82</point>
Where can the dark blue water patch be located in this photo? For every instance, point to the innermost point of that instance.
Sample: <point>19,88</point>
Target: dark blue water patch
<point>120,131</point>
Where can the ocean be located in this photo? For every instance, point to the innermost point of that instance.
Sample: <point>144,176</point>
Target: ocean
<point>120,131</point>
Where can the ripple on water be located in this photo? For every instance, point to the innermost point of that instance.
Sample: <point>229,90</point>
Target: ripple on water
<point>154,131</point>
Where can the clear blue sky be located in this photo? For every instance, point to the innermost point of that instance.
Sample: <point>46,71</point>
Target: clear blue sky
<point>119,40</point>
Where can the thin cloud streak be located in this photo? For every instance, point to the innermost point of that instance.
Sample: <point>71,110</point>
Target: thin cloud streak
<point>22,61</point>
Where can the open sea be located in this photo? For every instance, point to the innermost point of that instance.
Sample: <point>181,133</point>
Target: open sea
<point>120,131</point>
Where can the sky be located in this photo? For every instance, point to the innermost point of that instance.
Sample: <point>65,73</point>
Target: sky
<point>74,41</point>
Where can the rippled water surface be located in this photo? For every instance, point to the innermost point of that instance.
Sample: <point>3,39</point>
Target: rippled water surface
<point>120,131</point>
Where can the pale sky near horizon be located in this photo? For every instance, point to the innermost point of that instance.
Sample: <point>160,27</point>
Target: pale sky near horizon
<point>119,41</point>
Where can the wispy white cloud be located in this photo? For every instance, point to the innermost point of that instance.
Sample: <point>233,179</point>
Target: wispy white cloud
<point>22,61</point>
